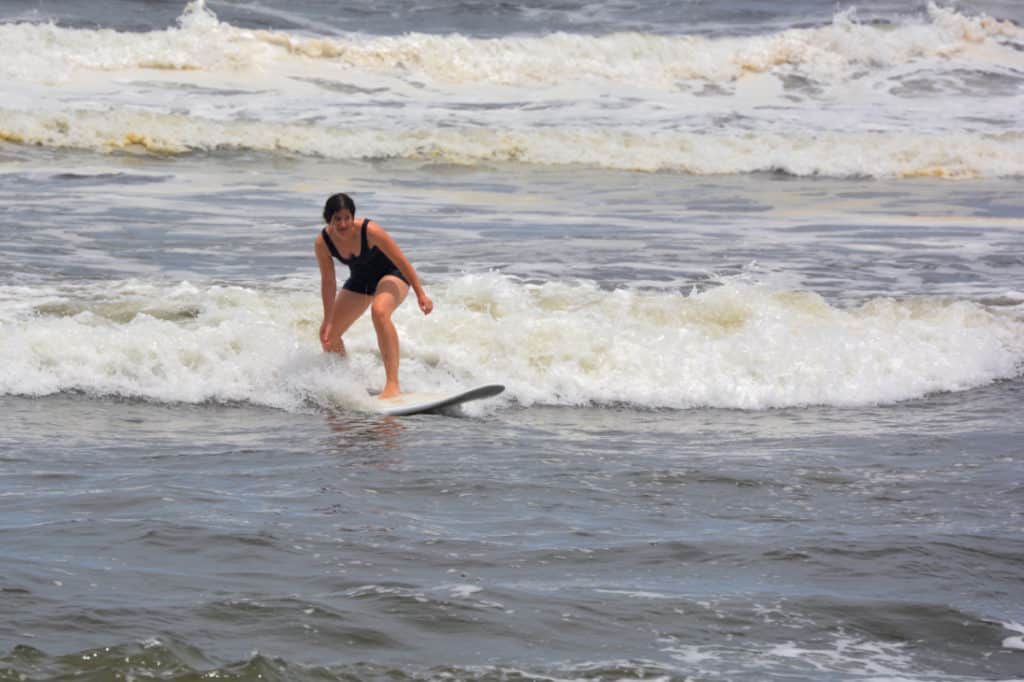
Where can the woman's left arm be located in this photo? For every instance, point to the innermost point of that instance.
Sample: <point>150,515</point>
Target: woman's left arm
<point>376,236</point>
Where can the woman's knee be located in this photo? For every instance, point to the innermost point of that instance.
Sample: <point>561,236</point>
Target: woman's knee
<point>390,293</point>
<point>381,310</point>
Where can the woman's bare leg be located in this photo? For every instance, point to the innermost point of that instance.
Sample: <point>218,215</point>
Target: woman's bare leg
<point>390,293</point>
<point>347,308</point>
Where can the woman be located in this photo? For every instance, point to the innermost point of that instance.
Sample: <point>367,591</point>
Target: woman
<point>380,277</point>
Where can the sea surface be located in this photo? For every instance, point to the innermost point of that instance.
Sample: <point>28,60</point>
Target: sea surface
<point>751,272</point>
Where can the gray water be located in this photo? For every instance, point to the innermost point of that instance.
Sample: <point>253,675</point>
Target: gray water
<point>878,543</point>
<point>528,540</point>
<point>756,426</point>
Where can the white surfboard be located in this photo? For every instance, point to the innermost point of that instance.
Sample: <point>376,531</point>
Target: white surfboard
<point>415,403</point>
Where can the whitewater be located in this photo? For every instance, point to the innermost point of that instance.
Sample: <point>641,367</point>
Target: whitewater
<point>750,272</point>
<point>734,346</point>
<point>849,99</point>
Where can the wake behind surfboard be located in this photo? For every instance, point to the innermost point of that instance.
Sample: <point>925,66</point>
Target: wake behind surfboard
<point>416,403</point>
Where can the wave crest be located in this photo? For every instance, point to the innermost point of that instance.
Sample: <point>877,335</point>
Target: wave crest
<point>827,53</point>
<point>735,346</point>
<point>834,154</point>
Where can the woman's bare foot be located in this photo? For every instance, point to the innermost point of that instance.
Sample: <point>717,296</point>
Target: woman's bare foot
<point>390,391</point>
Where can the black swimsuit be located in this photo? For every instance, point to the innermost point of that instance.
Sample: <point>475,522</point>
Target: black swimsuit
<point>367,268</point>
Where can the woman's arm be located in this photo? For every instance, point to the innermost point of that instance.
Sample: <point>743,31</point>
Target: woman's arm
<point>376,236</point>
<point>328,284</point>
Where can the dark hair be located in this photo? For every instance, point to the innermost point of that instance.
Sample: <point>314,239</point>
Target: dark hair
<point>335,203</point>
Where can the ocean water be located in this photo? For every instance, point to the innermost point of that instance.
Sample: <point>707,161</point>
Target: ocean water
<point>751,272</point>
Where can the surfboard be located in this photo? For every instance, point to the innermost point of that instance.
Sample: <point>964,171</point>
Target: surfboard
<point>416,403</point>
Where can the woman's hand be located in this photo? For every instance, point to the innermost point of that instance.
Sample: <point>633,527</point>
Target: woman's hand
<point>426,305</point>
<point>325,339</point>
<point>329,344</point>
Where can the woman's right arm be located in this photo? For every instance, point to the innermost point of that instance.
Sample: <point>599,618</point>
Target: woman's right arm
<point>328,283</point>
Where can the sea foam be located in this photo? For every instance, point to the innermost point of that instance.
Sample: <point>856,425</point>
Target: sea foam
<point>835,154</point>
<point>842,100</point>
<point>736,345</point>
<point>201,42</point>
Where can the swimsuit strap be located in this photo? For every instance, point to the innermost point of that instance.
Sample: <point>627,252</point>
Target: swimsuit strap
<point>366,244</point>
<point>330,245</point>
<point>364,248</point>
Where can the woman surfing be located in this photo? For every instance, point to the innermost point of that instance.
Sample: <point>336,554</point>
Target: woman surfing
<point>379,278</point>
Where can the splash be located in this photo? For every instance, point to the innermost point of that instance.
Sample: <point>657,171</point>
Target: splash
<point>878,154</point>
<point>829,53</point>
<point>737,345</point>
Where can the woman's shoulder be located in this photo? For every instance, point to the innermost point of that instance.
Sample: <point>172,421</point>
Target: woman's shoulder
<point>373,229</point>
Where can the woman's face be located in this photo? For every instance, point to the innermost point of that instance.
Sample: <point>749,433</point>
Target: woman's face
<point>341,221</point>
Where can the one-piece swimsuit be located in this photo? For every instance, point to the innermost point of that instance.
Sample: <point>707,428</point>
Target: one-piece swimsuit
<point>367,268</point>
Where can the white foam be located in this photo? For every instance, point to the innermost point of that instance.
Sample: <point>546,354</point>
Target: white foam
<point>202,42</point>
<point>874,660</point>
<point>464,591</point>
<point>1017,641</point>
<point>841,154</point>
<point>637,594</point>
<point>627,101</point>
<point>738,345</point>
